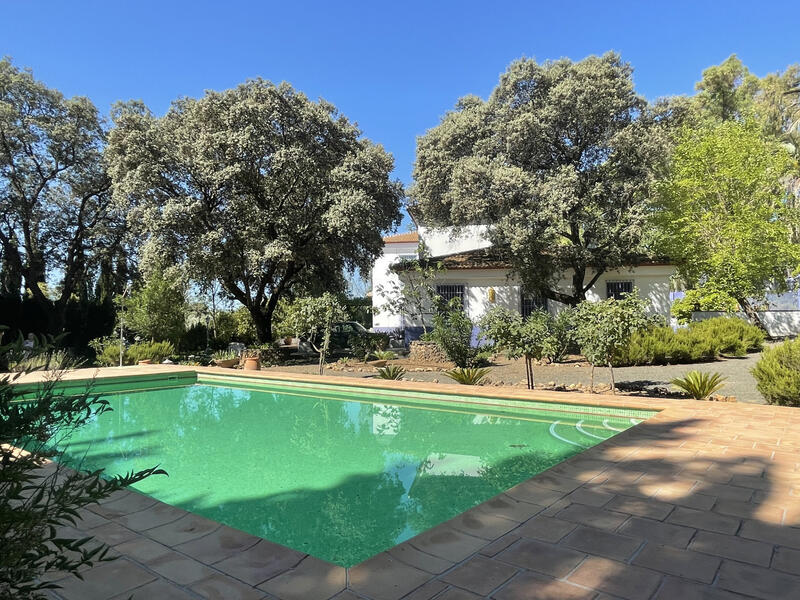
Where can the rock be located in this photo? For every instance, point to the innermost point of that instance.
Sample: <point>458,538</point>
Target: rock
<point>435,381</point>
<point>551,384</point>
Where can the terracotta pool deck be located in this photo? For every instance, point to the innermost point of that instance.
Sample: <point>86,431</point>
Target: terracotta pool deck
<point>700,501</point>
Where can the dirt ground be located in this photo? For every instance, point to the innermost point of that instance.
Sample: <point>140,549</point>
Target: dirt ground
<point>649,380</point>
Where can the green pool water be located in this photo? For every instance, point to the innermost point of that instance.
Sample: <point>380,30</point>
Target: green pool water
<point>337,474</point>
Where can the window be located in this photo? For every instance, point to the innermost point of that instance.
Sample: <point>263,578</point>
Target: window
<point>450,291</point>
<point>618,289</point>
<point>532,302</point>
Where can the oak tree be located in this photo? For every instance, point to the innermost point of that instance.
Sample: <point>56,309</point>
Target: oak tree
<point>557,162</point>
<point>257,187</point>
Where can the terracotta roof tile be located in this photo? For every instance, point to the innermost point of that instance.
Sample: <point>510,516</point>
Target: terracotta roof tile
<point>411,236</point>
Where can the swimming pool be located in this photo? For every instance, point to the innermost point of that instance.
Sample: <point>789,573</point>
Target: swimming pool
<point>338,472</point>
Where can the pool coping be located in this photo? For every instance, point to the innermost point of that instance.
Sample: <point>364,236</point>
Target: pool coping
<point>579,511</point>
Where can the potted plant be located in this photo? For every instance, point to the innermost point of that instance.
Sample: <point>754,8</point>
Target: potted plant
<point>226,359</point>
<point>251,360</point>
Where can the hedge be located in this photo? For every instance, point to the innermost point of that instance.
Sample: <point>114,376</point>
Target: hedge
<point>700,341</point>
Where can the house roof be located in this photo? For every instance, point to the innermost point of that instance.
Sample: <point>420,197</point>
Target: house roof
<point>400,238</point>
<point>491,258</point>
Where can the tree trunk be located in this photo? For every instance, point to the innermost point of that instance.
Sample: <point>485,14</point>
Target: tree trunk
<point>613,385</point>
<point>326,341</point>
<point>752,314</point>
<point>262,322</point>
<point>529,372</point>
<point>591,380</point>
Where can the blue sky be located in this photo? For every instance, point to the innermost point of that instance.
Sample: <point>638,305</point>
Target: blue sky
<point>394,67</point>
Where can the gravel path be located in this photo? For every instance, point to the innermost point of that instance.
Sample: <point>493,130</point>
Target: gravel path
<point>740,383</point>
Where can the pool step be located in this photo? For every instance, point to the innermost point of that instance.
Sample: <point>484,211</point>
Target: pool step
<point>584,436</point>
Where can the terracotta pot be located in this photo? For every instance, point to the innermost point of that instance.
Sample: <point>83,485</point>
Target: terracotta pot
<point>146,361</point>
<point>252,364</point>
<point>228,363</point>
<point>288,340</point>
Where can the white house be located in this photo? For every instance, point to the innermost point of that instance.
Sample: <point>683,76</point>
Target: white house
<point>481,281</point>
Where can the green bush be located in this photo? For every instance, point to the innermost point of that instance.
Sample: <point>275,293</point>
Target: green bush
<point>367,343</point>
<point>106,350</point>
<point>154,351</point>
<point>452,332</point>
<point>194,338</point>
<point>563,330</point>
<point>733,335</point>
<point>778,374</point>
<point>700,341</point>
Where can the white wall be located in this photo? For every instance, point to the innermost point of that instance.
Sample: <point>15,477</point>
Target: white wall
<point>383,280</point>
<point>443,241</point>
<point>653,282</point>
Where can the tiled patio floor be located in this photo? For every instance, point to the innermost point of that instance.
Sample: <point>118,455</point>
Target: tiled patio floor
<point>700,501</point>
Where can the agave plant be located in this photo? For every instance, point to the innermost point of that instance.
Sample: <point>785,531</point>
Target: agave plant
<point>467,375</point>
<point>391,372</point>
<point>384,355</point>
<point>700,386</point>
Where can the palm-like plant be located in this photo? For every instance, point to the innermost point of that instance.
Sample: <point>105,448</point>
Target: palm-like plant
<point>384,355</point>
<point>467,375</point>
<point>700,386</point>
<point>391,372</point>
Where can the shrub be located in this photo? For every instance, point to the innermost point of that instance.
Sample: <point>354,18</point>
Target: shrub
<point>38,504</point>
<point>270,354</point>
<point>452,332</point>
<point>366,343</point>
<point>235,326</point>
<point>194,338</point>
<point>700,386</point>
<point>778,374</point>
<point>384,355</point>
<point>391,372</point>
<point>154,351</point>
<point>733,335</point>
<point>563,331</point>
<point>48,360</point>
<point>467,375</point>
<point>106,350</point>
<point>700,341</point>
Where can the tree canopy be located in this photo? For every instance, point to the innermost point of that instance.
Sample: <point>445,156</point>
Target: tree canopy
<point>558,162</point>
<point>57,218</point>
<point>723,214</point>
<point>257,187</point>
